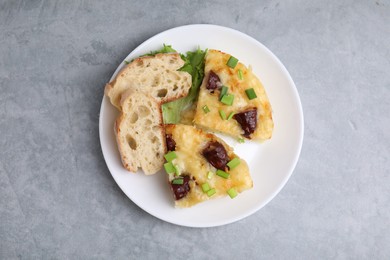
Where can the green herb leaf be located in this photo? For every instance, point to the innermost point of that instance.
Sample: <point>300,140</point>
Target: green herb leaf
<point>240,76</point>
<point>230,115</point>
<point>222,174</point>
<point>170,156</point>
<point>177,170</point>
<point>211,192</point>
<point>164,49</point>
<point>232,62</point>
<point>222,114</point>
<point>233,163</point>
<point>169,168</point>
<point>178,181</point>
<point>250,92</point>
<point>205,187</point>
<point>224,91</point>
<point>194,65</point>
<point>227,99</point>
<point>232,193</point>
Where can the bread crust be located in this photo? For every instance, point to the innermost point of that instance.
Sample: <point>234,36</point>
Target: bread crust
<point>157,75</point>
<point>147,82</point>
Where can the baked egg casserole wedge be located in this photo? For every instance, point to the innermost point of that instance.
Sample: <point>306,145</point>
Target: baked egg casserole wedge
<point>232,100</point>
<point>201,166</point>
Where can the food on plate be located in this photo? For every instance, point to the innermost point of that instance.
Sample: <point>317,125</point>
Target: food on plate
<point>177,110</point>
<point>140,133</point>
<point>158,75</point>
<point>201,166</point>
<point>232,100</point>
<point>206,89</point>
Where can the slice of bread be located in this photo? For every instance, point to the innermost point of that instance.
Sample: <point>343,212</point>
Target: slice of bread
<point>156,75</point>
<point>140,133</point>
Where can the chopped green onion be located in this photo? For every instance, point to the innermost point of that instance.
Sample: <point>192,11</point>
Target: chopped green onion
<point>250,92</point>
<point>178,181</point>
<point>232,193</point>
<point>224,91</point>
<point>227,99</point>
<point>222,114</point>
<point>222,174</point>
<point>177,170</point>
<point>233,163</point>
<point>127,62</point>
<point>232,62</point>
<point>205,187</point>
<point>240,76</point>
<point>206,109</point>
<point>169,168</point>
<point>211,192</point>
<point>210,175</point>
<point>241,140</point>
<point>230,115</point>
<point>170,156</point>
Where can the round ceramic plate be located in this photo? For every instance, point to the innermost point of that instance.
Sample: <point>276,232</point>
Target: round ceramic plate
<point>271,163</point>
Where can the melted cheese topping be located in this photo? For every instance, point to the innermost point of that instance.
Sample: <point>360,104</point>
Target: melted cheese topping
<point>190,142</point>
<point>216,61</point>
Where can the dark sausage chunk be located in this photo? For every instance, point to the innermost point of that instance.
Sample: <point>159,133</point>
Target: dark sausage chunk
<point>171,144</point>
<point>181,190</point>
<point>213,81</point>
<point>216,155</point>
<point>247,120</point>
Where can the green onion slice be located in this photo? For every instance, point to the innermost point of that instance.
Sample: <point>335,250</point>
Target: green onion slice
<point>205,187</point>
<point>210,175</point>
<point>206,109</point>
<point>222,114</point>
<point>241,140</point>
<point>232,62</point>
<point>227,99</point>
<point>232,193</point>
<point>211,192</point>
<point>250,92</point>
<point>169,168</point>
<point>240,76</point>
<point>178,181</point>
<point>170,156</point>
<point>224,91</point>
<point>177,170</point>
<point>230,115</point>
<point>233,163</point>
<point>222,174</point>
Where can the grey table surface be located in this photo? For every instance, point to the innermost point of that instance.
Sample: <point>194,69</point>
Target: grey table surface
<point>58,199</point>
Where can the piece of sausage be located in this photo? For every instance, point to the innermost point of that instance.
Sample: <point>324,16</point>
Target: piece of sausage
<point>215,153</point>
<point>247,120</point>
<point>181,190</point>
<point>171,144</point>
<point>213,82</point>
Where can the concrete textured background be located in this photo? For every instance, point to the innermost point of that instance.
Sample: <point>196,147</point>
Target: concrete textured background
<point>58,199</point>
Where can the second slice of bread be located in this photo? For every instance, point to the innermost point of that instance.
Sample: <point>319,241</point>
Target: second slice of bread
<point>140,133</point>
<point>158,75</point>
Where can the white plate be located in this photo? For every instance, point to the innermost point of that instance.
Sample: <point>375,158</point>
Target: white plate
<point>271,163</point>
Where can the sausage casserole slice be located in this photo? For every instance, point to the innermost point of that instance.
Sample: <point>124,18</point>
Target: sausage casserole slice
<point>232,100</point>
<point>201,166</point>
